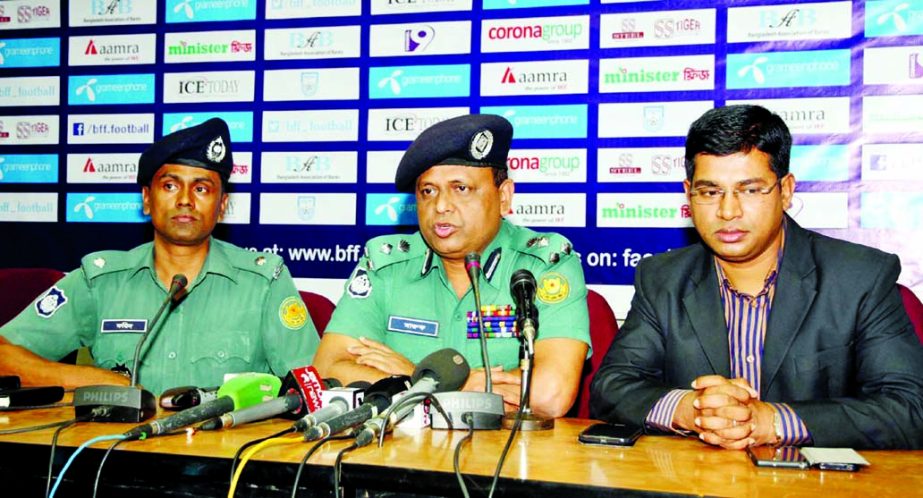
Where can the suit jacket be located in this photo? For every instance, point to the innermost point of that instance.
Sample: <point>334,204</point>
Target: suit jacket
<point>839,347</point>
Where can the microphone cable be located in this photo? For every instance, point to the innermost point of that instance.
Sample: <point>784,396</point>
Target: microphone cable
<point>99,471</point>
<point>506,448</point>
<point>276,441</point>
<point>100,410</point>
<point>251,443</point>
<point>409,400</point>
<point>34,407</point>
<point>34,428</point>
<point>79,449</point>
<point>468,419</point>
<point>337,469</point>
<point>307,456</point>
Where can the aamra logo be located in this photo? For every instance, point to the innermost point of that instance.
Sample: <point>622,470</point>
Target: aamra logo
<point>89,167</point>
<point>88,89</point>
<point>754,69</point>
<point>392,81</point>
<point>417,39</point>
<point>85,207</point>
<point>508,76</point>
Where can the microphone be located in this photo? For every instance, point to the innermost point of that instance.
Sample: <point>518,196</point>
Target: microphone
<point>443,370</point>
<point>473,266</point>
<point>377,399</point>
<point>337,401</point>
<point>522,288</point>
<point>131,403</point>
<point>240,392</point>
<point>180,398</point>
<point>30,397</point>
<point>9,382</point>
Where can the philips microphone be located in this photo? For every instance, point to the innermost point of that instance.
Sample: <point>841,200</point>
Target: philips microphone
<point>377,399</point>
<point>522,288</point>
<point>441,371</point>
<point>473,267</point>
<point>126,404</point>
<point>240,392</point>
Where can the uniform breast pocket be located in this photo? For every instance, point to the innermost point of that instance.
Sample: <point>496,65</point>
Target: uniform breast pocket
<point>231,350</point>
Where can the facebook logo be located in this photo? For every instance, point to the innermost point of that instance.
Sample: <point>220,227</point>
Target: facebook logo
<point>78,129</point>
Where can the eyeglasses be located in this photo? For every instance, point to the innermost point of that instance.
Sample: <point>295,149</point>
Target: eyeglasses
<point>714,195</point>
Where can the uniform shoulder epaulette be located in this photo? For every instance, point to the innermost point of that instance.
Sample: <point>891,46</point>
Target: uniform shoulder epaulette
<point>549,247</point>
<point>265,264</point>
<point>387,250</point>
<point>103,262</point>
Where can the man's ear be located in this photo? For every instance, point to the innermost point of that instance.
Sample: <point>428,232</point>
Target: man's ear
<point>146,200</point>
<point>507,188</point>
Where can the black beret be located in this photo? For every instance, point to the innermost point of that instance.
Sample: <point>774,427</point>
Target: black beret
<point>480,140</point>
<point>206,145</point>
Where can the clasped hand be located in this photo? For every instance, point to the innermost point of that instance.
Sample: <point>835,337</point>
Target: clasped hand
<point>727,413</point>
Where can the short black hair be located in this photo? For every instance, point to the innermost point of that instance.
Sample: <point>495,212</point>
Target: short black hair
<point>740,128</point>
<point>500,176</point>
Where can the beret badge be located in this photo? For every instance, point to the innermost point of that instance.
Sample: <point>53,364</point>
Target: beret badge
<point>216,150</point>
<point>481,144</point>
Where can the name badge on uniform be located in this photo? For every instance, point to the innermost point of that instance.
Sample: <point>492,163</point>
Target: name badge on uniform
<point>123,326</point>
<point>413,326</point>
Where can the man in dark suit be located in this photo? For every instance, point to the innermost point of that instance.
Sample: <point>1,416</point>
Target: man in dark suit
<point>763,333</point>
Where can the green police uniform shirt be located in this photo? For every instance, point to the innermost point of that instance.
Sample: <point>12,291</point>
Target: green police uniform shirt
<point>399,295</point>
<point>241,314</point>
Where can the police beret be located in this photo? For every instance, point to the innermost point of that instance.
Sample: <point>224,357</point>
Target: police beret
<point>480,140</point>
<point>206,145</point>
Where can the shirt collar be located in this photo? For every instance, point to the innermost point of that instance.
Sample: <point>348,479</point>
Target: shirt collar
<point>216,262</point>
<point>770,281</point>
<point>489,264</point>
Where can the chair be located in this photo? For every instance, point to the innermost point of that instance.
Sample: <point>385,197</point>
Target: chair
<point>603,328</point>
<point>914,309</point>
<point>20,286</point>
<point>320,308</point>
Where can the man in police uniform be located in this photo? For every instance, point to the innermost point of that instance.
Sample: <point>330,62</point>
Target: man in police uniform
<point>410,294</point>
<point>239,312</point>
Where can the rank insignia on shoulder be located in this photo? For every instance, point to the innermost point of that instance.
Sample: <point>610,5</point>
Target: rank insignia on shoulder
<point>260,260</point>
<point>360,287</point>
<point>52,301</point>
<point>99,262</point>
<point>292,313</point>
<point>553,288</point>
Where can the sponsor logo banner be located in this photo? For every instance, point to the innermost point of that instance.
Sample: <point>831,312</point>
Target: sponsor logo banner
<point>28,168</point>
<point>548,210</point>
<point>110,128</point>
<point>820,209</point>
<point>654,29</point>
<point>808,116</point>
<point>390,209</point>
<point>892,162</point>
<point>210,46</point>
<point>547,165</point>
<point>893,18</point>
<point>242,169</point>
<point>650,119</point>
<point>419,81</point>
<point>29,130</point>
<point>30,91</point>
<point>311,84</point>
<point>30,14</point>
<point>238,210</point>
<point>891,210</point>
<point>893,65</point>
<point>657,74</point>
<point>30,52</point>
<point>307,209</point>
<point>820,163</point>
<point>788,69</point>
<point>435,38</point>
<point>240,124</point>
<point>643,210</point>
<point>209,10</point>
<point>30,207</point>
<point>294,9</point>
<point>309,167</point>
<point>224,86</point>
<point>112,12</point>
<point>102,168</point>
<point>526,4</point>
<point>892,113</point>
<point>535,78</point>
<point>381,165</point>
<point>406,124</point>
<point>796,21</point>
<point>642,164</point>
<point>112,50</point>
<point>535,34</point>
<point>545,121</point>
<point>110,89</point>
<point>323,42</point>
<point>330,125</point>
<point>104,208</point>
<point>392,7</point>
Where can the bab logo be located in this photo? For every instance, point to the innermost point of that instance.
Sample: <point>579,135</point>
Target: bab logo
<point>111,7</point>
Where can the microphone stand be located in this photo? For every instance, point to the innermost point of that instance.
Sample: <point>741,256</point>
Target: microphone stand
<point>529,420</point>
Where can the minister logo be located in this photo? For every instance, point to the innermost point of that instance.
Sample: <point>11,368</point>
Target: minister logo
<point>210,46</point>
<point>788,69</point>
<point>390,209</point>
<point>178,11</point>
<point>30,52</point>
<point>545,121</point>
<point>239,123</point>
<point>104,208</point>
<point>29,168</point>
<point>111,89</point>
<point>643,210</point>
<point>657,74</point>
<point>893,18</point>
<point>419,81</point>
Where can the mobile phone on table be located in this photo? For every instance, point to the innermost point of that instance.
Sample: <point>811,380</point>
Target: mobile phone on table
<point>610,434</point>
<point>783,457</point>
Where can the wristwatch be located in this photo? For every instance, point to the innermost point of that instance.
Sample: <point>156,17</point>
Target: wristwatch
<point>777,425</point>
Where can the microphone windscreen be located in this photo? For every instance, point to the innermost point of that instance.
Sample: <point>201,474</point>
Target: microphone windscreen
<point>522,279</point>
<point>359,384</point>
<point>381,392</point>
<point>331,383</point>
<point>447,366</point>
<point>250,388</point>
<point>180,280</point>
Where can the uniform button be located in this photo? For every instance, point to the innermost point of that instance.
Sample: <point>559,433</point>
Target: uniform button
<point>221,354</point>
<point>458,316</point>
<point>750,359</point>
<point>172,355</point>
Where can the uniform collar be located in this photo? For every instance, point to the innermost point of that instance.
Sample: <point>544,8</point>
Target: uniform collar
<point>216,262</point>
<point>489,263</point>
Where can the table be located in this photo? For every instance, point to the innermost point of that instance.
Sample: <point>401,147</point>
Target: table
<point>547,463</point>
